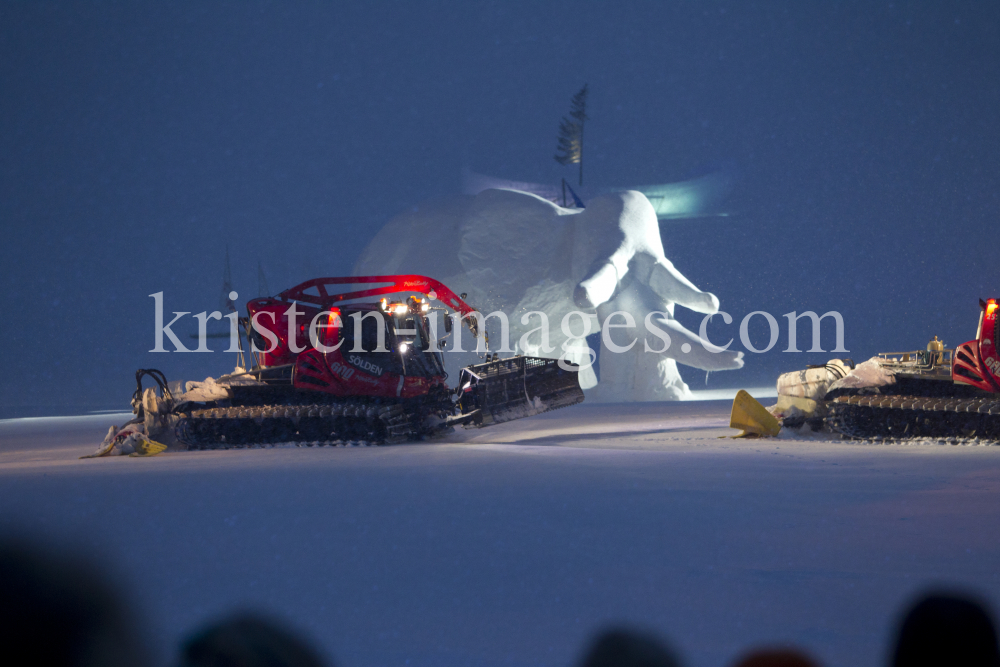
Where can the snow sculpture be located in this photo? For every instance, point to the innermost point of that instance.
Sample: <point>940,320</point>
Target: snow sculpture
<point>516,252</point>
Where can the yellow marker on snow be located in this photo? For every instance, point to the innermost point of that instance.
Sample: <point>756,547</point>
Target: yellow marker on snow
<point>146,447</point>
<point>752,417</point>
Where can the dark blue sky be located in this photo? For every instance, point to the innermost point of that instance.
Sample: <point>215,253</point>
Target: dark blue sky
<point>137,140</point>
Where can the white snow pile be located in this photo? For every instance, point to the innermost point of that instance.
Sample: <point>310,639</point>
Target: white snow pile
<point>120,441</point>
<point>806,432</point>
<point>868,374</point>
<point>518,253</point>
<point>200,392</point>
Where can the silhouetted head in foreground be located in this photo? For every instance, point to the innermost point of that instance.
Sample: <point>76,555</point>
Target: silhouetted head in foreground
<point>946,630</point>
<point>248,641</point>
<point>776,657</point>
<point>55,610</point>
<point>624,648</point>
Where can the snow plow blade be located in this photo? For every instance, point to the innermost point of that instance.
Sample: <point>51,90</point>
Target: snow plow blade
<point>507,389</point>
<point>752,417</point>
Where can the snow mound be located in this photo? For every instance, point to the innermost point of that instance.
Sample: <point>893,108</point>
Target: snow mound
<point>868,374</point>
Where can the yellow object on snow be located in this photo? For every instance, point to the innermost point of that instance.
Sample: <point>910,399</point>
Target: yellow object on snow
<point>146,447</point>
<point>752,417</point>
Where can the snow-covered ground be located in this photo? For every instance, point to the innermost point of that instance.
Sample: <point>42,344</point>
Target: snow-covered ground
<point>513,545</point>
<point>760,393</point>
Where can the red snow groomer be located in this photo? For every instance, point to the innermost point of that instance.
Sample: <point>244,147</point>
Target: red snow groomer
<point>937,392</point>
<point>356,366</point>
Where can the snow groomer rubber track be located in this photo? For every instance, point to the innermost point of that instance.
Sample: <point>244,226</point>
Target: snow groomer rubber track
<point>904,417</point>
<point>349,422</point>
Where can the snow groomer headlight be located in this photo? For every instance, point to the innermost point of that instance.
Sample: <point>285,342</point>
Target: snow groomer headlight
<point>418,305</point>
<point>397,308</point>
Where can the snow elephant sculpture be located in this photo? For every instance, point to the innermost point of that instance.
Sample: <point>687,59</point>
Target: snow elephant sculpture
<point>518,253</point>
